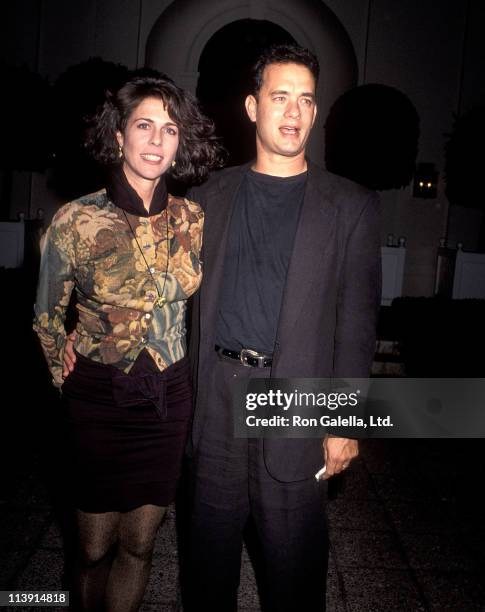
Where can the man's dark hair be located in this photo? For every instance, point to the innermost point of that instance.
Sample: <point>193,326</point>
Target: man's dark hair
<point>282,54</point>
<point>198,151</point>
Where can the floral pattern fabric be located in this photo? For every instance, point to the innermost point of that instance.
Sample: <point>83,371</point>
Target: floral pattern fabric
<point>95,248</point>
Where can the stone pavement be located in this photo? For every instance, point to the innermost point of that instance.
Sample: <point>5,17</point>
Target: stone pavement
<point>406,523</point>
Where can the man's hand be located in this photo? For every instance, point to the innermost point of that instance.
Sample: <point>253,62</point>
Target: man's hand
<point>338,453</point>
<point>69,355</point>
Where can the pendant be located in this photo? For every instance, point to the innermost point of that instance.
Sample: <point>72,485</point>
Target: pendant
<point>160,302</point>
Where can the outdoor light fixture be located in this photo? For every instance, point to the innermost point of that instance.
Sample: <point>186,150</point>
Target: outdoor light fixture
<point>425,181</point>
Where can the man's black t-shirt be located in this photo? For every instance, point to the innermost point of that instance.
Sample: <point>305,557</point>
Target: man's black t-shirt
<point>260,241</point>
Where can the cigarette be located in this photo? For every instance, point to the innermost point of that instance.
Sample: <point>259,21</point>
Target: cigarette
<point>320,473</point>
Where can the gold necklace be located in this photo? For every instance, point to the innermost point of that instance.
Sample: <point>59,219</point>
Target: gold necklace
<point>160,301</point>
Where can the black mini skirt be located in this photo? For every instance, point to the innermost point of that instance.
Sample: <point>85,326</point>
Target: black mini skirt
<point>126,432</point>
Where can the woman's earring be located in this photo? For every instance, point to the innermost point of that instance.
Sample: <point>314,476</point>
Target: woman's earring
<point>174,163</point>
<point>120,151</point>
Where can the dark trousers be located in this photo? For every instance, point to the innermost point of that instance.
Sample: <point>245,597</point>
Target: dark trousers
<point>230,487</point>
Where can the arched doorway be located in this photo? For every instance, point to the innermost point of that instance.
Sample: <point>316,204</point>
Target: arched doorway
<point>180,35</point>
<point>224,80</point>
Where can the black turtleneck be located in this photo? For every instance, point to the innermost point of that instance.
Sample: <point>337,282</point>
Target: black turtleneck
<point>121,193</point>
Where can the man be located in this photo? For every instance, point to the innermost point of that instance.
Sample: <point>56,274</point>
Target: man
<point>291,272</point>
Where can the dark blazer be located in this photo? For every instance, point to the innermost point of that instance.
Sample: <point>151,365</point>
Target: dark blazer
<point>328,317</point>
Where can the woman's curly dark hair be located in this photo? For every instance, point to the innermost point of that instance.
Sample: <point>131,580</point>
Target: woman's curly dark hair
<point>199,150</point>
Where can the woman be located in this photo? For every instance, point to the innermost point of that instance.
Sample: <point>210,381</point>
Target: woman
<point>131,253</point>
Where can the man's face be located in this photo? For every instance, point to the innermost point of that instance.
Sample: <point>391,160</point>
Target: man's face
<point>284,110</point>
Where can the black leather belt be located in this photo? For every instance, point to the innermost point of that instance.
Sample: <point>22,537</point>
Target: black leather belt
<point>248,357</point>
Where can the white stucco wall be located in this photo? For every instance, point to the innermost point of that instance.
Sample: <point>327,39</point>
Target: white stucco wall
<point>184,28</point>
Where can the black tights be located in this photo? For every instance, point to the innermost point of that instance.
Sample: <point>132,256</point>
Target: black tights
<point>115,554</point>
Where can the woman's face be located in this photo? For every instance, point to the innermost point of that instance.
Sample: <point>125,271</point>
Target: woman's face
<point>149,142</point>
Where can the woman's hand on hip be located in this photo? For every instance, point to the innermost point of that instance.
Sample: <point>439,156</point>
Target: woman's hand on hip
<point>69,355</point>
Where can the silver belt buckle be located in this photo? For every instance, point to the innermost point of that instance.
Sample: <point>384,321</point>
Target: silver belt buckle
<point>245,353</point>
